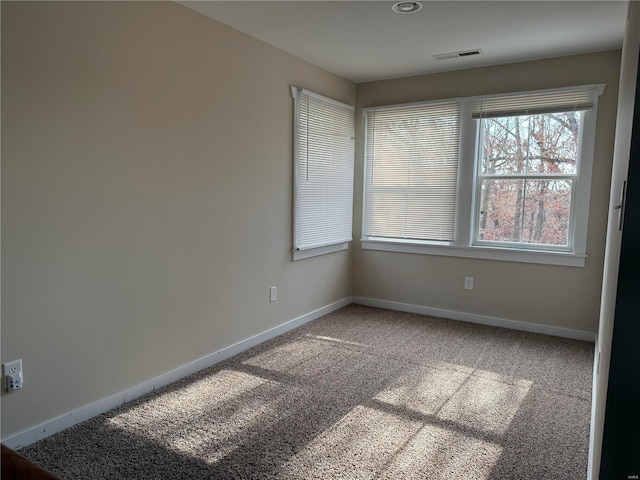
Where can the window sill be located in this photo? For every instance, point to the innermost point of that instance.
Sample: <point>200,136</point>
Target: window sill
<point>486,253</point>
<point>314,252</point>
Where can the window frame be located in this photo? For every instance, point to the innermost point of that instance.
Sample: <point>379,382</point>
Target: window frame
<point>300,251</point>
<point>366,111</point>
<point>468,193</point>
<point>479,177</point>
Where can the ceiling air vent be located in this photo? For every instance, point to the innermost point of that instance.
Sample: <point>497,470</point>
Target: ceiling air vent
<point>466,53</point>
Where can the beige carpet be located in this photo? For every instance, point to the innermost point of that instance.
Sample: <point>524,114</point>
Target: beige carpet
<point>362,393</point>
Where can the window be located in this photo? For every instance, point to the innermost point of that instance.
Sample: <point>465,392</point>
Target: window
<point>323,174</point>
<point>411,171</point>
<point>503,176</point>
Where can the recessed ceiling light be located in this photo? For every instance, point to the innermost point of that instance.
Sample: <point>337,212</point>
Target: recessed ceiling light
<point>407,7</point>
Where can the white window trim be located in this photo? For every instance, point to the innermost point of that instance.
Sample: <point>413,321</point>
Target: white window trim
<point>480,252</point>
<point>314,252</point>
<point>464,233</point>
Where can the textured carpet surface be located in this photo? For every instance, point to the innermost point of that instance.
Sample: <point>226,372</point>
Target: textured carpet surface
<point>362,393</point>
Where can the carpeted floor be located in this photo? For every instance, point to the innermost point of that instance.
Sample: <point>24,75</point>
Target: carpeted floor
<point>362,393</point>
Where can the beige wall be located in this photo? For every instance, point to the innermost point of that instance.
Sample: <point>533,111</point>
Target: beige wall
<point>146,196</point>
<point>552,295</point>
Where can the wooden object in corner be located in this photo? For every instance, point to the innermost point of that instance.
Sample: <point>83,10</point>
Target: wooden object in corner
<point>16,467</point>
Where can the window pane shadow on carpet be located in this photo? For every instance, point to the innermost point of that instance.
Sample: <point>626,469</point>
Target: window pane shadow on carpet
<point>362,393</point>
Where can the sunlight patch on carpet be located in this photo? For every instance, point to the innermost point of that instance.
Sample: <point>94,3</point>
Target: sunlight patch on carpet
<point>357,446</point>
<point>422,389</point>
<point>310,359</point>
<point>220,410</point>
<point>289,357</point>
<point>485,404</point>
<point>335,340</point>
<point>440,454</point>
<point>211,441</point>
<point>368,443</point>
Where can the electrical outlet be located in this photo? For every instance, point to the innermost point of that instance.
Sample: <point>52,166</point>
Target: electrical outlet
<point>273,294</point>
<point>12,374</point>
<point>468,283</point>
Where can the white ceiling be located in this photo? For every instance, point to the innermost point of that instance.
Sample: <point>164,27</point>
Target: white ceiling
<point>365,40</point>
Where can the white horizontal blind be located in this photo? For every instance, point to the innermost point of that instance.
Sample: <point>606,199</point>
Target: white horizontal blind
<point>411,165</point>
<point>323,169</point>
<point>540,102</point>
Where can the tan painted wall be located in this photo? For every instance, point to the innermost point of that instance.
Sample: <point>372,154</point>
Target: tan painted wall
<point>552,295</point>
<point>146,196</point>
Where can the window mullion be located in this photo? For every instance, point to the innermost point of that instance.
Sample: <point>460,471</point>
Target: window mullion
<point>465,189</point>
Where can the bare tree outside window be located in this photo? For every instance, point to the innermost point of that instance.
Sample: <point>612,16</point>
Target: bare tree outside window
<point>527,175</point>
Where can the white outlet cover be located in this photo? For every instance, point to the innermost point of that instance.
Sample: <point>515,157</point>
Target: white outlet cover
<point>468,283</point>
<point>12,367</point>
<point>12,371</point>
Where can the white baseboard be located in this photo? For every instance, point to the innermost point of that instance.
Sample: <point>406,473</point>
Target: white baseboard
<point>481,319</point>
<point>594,410</point>
<point>83,413</point>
